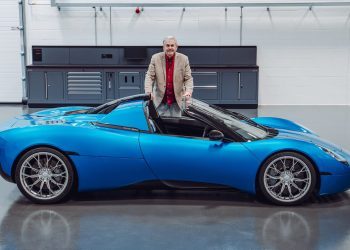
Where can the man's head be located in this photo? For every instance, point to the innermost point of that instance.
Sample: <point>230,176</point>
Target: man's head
<point>170,45</point>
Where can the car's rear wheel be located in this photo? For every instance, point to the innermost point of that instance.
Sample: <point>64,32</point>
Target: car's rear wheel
<point>44,175</point>
<point>287,178</point>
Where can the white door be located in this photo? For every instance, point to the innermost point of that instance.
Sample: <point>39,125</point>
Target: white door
<point>10,58</point>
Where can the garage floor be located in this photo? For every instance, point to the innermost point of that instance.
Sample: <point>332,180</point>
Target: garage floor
<point>184,220</point>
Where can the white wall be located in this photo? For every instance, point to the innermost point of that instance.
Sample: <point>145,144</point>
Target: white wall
<point>10,59</point>
<point>303,55</point>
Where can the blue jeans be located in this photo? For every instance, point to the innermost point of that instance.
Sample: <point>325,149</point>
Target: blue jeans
<point>165,110</point>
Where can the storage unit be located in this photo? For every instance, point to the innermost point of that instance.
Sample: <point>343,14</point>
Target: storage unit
<point>47,86</point>
<point>93,75</point>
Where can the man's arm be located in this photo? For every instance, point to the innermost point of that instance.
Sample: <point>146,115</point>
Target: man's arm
<point>188,79</point>
<point>150,76</point>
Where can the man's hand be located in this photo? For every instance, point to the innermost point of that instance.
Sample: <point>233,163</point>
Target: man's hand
<point>187,95</point>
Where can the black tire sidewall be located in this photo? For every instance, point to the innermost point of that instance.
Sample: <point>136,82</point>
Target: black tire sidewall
<point>66,192</point>
<point>307,195</point>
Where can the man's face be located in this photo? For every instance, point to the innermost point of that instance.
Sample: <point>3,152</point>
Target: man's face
<point>170,47</point>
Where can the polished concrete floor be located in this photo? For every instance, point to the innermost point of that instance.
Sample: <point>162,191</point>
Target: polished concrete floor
<point>184,219</point>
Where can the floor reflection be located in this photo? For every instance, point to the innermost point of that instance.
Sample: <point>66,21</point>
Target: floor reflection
<point>43,228</point>
<point>175,220</point>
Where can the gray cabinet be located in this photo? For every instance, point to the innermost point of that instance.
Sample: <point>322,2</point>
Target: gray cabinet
<point>77,86</point>
<point>129,83</point>
<point>96,86</point>
<point>110,85</point>
<point>37,86</point>
<point>85,85</point>
<point>55,86</point>
<point>205,85</point>
<point>248,89</point>
<point>46,86</point>
<point>94,56</point>
<point>239,87</point>
<point>123,83</point>
<point>229,87</point>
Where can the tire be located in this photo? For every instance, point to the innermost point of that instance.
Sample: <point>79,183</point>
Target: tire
<point>287,178</point>
<point>44,175</point>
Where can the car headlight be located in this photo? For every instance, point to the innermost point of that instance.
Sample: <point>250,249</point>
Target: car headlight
<point>335,155</point>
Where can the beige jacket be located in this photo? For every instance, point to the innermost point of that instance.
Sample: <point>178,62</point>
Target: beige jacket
<point>155,80</point>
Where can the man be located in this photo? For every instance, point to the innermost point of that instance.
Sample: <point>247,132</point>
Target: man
<point>169,79</point>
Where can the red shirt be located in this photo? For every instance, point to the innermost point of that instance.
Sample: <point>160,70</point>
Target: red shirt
<point>169,96</point>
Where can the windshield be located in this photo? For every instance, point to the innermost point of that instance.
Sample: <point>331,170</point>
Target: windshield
<point>240,124</point>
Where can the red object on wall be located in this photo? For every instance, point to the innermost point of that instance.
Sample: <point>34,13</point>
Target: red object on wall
<point>137,11</point>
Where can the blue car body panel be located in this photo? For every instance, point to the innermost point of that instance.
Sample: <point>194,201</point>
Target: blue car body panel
<point>280,123</point>
<point>118,149</point>
<point>200,160</point>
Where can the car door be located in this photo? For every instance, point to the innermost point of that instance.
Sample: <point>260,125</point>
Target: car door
<point>179,158</point>
<point>109,157</point>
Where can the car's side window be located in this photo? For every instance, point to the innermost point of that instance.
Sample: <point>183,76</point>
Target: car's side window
<point>128,115</point>
<point>176,126</point>
<point>183,126</point>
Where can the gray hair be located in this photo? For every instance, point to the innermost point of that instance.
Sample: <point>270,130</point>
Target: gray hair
<point>169,38</point>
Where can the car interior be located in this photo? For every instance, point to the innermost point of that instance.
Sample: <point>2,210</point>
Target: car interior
<point>182,126</point>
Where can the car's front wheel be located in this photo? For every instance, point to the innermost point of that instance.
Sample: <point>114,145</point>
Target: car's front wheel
<point>287,178</point>
<point>44,175</point>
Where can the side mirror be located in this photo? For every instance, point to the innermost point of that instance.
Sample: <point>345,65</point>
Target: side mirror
<point>216,135</point>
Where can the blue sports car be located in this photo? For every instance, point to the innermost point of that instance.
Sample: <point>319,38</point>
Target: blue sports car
<point>52,153</point>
